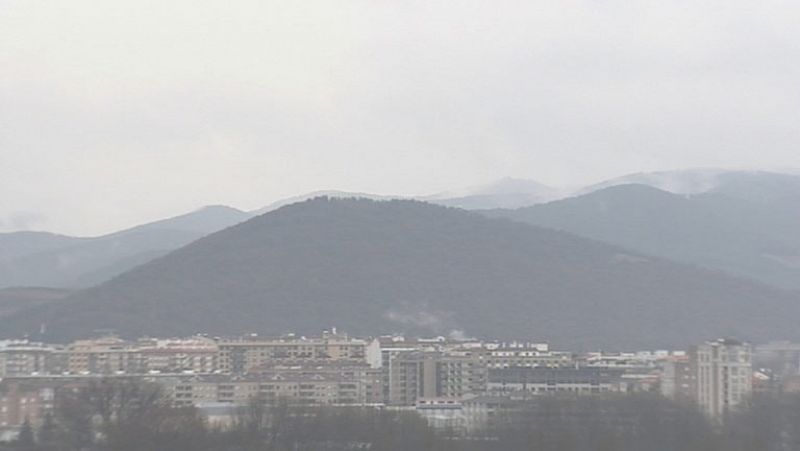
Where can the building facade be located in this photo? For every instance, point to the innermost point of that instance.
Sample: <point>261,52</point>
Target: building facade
<point>427,375</point>
<point>538,381</point>
<point>724,376</point>
<point>244,355</point>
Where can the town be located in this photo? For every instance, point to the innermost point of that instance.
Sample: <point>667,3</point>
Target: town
<point>455,384</point>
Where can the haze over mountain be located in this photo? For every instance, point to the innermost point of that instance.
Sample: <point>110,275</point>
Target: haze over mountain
<point>748,185</point>
<point>507,192</point>
<point>504,193</point>
<point>374,267</point>
<point>688,181</point>
<point>49,260</point>
<point>777,189</point>
<point>745,223</point>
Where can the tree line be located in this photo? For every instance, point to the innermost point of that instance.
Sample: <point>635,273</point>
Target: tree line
<point>128,415</point>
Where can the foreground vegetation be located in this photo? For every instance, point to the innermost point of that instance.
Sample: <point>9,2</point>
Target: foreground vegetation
<point>130,416</point>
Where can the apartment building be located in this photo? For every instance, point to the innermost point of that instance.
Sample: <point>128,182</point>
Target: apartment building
<point>337,385</point>
<point>23,358</point>
<point>107,355</point>
<point>516,355</point>
<point>425,375</point>
<point>637,361</point>
<point>724,375</point>
<point>678,379</point>
<point>22,400</point>
<point>244,355</point>
<point>197,355</point>
<point>193,355</point>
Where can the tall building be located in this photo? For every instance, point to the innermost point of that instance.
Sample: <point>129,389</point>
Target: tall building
<point>724,375</point>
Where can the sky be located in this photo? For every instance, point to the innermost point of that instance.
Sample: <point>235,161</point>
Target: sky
<point>114,113</point>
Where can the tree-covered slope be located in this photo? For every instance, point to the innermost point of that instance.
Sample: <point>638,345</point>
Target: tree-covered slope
<point>757,239</point>
<point>402,266</point>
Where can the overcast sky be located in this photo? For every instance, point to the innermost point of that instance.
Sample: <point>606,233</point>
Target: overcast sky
<point>118,112</point>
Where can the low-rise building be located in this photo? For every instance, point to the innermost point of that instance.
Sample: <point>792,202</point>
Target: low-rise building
<point>555,380</point>
<point>444,414</point>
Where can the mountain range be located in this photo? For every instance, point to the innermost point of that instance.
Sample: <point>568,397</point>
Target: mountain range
<point>43,259</point>
<point>756,186</point>
<point>745,224</point>
<point>702,250</point>
<point>766,201</point>
<point>405,266</point>
<point>52,260</point>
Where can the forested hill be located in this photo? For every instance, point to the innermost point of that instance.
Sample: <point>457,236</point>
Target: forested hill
<point>718,230</point>
<point>372,267</point>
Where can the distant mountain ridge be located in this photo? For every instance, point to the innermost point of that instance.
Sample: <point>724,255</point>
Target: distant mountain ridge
<point>48,260</point>
<point>507,192</point>
<point>689,181</point>
<point>756,185</point>
<point>403,266</point>
<point>729,228</point>
<point>44,259</point>
<point>18,244</point>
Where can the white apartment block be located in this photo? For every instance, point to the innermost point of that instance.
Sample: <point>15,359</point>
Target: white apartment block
<point>724,376</point>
